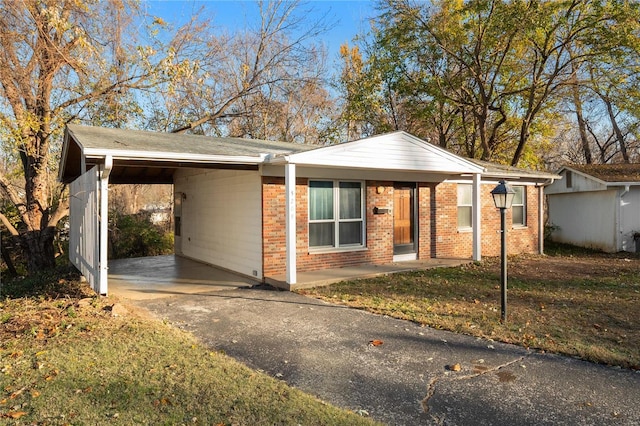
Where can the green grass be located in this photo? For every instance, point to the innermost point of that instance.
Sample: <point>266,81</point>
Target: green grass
<point>69,363</point>
<point>573,302</point>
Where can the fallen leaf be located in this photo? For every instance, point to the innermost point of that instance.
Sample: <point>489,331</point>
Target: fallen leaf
<point>376,342</point>
<point>16,394</point>
<point>35,393</point>
<point>455,367</point>
<point>15,414</point>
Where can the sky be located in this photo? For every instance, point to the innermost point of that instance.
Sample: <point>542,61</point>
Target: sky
<point>351,16</point>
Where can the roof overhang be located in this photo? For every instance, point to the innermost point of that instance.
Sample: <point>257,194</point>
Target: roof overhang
<point>138,165</point>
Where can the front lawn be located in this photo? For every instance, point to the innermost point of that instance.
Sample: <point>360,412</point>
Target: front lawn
<point>69,359</point>
<point>576,303</point>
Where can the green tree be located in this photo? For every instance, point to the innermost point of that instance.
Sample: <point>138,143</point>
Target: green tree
<point>487,75</point>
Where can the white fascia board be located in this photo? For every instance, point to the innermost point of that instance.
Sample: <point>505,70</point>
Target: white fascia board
<point>63,155</point>
<point>173,156</point>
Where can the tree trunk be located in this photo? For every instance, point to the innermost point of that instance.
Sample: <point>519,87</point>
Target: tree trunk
<point>616,129</point>
<point>39,248</point>
<point>6,256</point>
<point>582,128</point>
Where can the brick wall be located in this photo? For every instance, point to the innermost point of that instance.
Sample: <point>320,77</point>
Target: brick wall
<point>452,243</point>
<point>379,229</point>
<point>437,224</point>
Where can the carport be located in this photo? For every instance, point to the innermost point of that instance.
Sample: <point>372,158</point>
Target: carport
<point>94,157</point>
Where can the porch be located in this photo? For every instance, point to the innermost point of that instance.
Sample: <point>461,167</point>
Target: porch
<point>163,276</point>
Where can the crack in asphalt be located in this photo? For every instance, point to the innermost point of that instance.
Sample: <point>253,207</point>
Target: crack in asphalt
<point>431,386</point>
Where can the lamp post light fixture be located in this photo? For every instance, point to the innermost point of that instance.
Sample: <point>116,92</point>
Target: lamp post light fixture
<point>503,198</point>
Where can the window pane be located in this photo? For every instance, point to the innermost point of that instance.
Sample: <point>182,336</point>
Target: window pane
<point>518,215</point>
<point>464,217</point>
<point>321,234</point>
<point>519,195</point>
<point>320,200</point>
<point>350,200</point>
<point>464,194</point>
<point>350,233</point>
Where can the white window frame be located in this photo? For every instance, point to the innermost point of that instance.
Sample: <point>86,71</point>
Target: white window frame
<point>336,216</point>
<point>469,206</point>
<point>522,223</point>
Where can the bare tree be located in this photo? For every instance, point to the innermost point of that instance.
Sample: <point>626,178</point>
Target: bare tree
<point>243,78</point>
<point>63,60</point>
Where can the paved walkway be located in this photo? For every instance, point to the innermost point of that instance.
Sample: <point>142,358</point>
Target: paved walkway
<point>325,350</point>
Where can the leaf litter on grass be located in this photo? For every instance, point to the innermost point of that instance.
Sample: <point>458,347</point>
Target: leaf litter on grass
<point>584,304</point>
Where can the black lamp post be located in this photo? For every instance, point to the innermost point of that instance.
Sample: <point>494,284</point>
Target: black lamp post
<point>503,198</point>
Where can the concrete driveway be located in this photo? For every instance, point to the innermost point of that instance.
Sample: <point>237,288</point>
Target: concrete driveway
<point>410,378</point>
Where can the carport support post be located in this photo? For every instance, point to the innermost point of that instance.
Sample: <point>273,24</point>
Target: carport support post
<point>476,211</point>
<point>105,170</point>
<point>290,220</point>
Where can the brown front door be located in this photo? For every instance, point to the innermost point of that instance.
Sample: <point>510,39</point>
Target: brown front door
<point>403,219</point>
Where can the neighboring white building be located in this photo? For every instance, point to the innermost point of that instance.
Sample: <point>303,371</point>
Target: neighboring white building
<point>597,206</point>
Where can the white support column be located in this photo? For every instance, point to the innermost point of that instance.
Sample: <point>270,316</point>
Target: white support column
<point>290,221</point>
<point>476,213</point>
<point>541,219</point>
<point>103,236</point>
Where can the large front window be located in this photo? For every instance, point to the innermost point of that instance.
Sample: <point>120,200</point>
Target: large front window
<point>335,214</point>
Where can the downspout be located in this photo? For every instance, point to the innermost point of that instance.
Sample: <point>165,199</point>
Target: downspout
<point>104,224</point>
<point>619,230</point>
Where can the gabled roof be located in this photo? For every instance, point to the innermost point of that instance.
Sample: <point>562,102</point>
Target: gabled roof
<point>609,173</point>
<point>152,157</point>
<point>391,151</point>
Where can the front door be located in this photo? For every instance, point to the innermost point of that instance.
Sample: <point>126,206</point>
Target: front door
<point>403,219</point>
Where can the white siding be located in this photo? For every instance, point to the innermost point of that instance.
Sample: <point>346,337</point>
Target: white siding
<point>586,219</point>
<point>84,230</point>
<point>629,219</point>
<point>395,151</point>
<point>579,183</point>
<point>222,218</point>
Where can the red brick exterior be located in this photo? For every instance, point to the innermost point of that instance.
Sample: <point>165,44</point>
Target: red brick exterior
<point>437,224</point>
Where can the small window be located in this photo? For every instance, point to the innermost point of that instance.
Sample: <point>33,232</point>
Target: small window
<point>464,205</point>
<point>568,178</point>
<point>336,216</point>
<point>518,208</point>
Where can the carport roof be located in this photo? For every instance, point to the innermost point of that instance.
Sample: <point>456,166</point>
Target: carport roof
<point>150,157</point>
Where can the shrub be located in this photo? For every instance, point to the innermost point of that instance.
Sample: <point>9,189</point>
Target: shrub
<point>137,236</point>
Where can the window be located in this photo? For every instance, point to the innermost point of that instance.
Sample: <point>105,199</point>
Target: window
<point>464,205</point>
<point>335,214</point>
<point>518,208</point>
<point>568,178</point>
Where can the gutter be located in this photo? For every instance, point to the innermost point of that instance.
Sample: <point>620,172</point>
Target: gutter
<point>170,156</point>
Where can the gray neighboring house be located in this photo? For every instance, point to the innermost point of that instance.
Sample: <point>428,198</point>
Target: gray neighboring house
<point>597,206</point>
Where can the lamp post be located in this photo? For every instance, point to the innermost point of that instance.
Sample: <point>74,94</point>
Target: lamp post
<point>503,198</point>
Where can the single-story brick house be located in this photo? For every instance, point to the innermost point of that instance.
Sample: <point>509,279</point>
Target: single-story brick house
<point>597,206</point>
<point>269,210</point>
